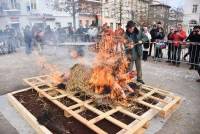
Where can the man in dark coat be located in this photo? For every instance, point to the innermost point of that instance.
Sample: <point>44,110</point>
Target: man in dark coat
<point>28,39</point>
<point>10,33</point>
<point>194,48</point>
<point>198,73</point>
<point>159,36</point>
<point>153,37</point>
<point>134,49</point>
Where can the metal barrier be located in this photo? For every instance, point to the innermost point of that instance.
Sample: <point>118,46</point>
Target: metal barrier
<point>177,52</point>
<point>77,38</point>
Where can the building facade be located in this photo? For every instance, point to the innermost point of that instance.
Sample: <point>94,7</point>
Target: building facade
<point>159,12</point>
<point>175,16</point>
<point>19,13</point>
<point>121,11</point>
<point>191,13</point>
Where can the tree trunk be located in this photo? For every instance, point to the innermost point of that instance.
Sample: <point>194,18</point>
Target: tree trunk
<point>74,14</point>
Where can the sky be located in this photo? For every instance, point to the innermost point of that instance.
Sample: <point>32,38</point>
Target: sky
<point>173,3</point>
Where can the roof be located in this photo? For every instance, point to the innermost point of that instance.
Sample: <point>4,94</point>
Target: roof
<point>160,4</point>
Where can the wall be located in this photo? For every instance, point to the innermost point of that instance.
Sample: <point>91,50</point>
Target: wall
<point>188,15</point>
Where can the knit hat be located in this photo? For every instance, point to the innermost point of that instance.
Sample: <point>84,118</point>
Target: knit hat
<point>130,24</point>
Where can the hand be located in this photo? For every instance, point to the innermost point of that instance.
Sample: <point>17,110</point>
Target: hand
<point>140,42</point>
<point>130,44</point>
<point>177,33</point>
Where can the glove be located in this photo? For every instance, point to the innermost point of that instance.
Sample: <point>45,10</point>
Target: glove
<point>140,42</point>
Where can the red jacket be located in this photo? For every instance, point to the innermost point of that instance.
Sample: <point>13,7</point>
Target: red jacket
<point>178,37</point>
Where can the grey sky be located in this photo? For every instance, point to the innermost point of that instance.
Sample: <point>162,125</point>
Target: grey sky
<point>173,3</point>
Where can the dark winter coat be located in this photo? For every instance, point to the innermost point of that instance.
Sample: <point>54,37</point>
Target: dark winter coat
<point>137,50</point>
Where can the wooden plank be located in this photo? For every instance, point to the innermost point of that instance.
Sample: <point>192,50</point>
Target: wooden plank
<point>101,114</point>
<point>27,115</point>
<point>146,95</point>
<point>170,108</point>
<point>140,131</point>
<point>21,90</point>
<point>137,126</point>
<point>130,114</point>
<point>85,122</point>
<point>117,122</point>
<point>60,96</point>
<point>155,98</point>
<point>150,105</point>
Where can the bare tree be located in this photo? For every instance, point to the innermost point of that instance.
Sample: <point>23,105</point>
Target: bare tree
<point>69,6</point>
<point>74,7</point>
<point>121,11</point>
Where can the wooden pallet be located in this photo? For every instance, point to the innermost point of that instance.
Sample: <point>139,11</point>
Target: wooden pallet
<point>168,101</point>
<point>40,129</point>
<point>165,106</point>
<point>43,86</point>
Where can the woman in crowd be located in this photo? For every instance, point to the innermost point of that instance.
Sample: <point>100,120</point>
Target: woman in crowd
<point>170,39</point>
<point>146,44</point>
<point>178,37</point>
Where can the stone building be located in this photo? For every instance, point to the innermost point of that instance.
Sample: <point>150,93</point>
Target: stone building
<point>191,10</point>
<point>137,10</point>
<point>159,12</point>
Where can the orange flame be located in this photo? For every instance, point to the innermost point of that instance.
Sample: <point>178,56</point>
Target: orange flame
<point>110,67</point>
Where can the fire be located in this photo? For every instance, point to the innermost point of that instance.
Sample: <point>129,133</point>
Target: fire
<point>107,75</point>
<point>55,75</point>
<point>110,68</point>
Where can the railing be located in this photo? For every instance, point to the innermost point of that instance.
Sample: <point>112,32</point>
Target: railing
<point>173,52</point>
<point>177,52</point>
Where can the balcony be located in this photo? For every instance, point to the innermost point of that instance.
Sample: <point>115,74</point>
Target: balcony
<point>13,9</point>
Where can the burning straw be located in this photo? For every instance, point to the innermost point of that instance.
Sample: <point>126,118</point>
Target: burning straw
<point>107,76</point>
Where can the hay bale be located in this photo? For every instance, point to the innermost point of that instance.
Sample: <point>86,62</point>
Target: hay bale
<point>79,78</point>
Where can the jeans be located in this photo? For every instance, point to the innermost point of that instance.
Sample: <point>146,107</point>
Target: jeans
<point>11,45</point>
<point>138,65</point>
<point>169,53</point>
<point>28,47</point>
<point>195,55</point>
<point>176,54</point>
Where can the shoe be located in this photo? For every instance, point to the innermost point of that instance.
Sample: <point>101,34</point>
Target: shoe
<point>191,68</point>
<point>196,67</point>
<point>198,80</point>
<point>141,81</point>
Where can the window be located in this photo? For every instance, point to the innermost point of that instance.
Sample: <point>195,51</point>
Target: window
<point>106,12</point>
<point>13,4</point>
<point>194,9</point>
<point>111,25</point>
<point>87,23</point>
<point>80,22</point>
<point>33,4</point>
<point>69,24</point>
<point>193,22</point>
